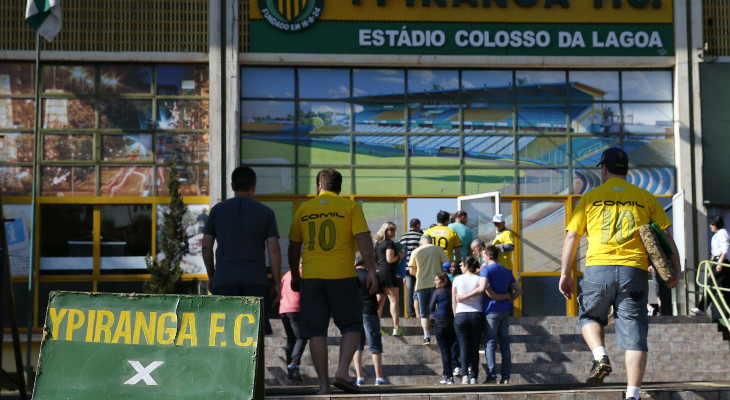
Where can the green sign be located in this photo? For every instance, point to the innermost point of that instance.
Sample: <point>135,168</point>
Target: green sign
<point>132,346</point>
<point>447,38</point>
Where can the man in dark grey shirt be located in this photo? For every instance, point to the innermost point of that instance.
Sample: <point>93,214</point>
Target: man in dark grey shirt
<point>243,228</point>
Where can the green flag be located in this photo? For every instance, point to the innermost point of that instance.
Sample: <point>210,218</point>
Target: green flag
<point>45,17</point>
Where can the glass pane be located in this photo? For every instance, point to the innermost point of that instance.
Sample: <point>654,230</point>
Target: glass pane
<point>20,289</point>
<point>483,147</point>
<point>586,179</point>
<point>17,78</point>
<point>61,147</point>
<point>126,79</point>
<point>379,84</point>
<point>542,118</point>
<point>649,150</point>
<point>542,234</point>
<point>70,248</point>
<point>284,211</point>
<point>648,118</point>
<point>182,114</point>
<point>267,82</point>
<point>542,150</point>
<point>324,149</point>
<point>76,79</point>
<point>379,117</point>
<point>435,181</point>
<point>267,115</point>
<point>646,85</point>
<point>265,149</point>
<point>544,181</point>
<point>540,298</point>
<point>588,86</point>
<point>16,181</point>
<point>655,180</point>
<point>186,80</point>
<point>69,113</point>
<point>126,147</point>
<point>17,233</point>
<point>125,114</point>
<point>379,212</point>
<point>433,118</point>
<point>121,287</point>
<point>17,113</point>
<point>16,147</point>
<point>488,117</point>
<point>63,181</point>
<point>489,180</point>
<point>487,85</point>
<point>480,213</point>
<point>189,147</point>
<point>380,149</point>
<point>434,149</point>
<point>324,117</point>
<point>433,84</point>
<point>193,222</point>
<point>126,181</point>
<point>586,151</point>
<point>540,85</point>
<point>194,180</point>
<point>595,117</point>
<point>321,83</point>
<point>307,183</point>
<point>126,233</point>
<point>276,180</point>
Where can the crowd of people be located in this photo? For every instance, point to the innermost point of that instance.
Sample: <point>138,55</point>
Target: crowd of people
<point>460,287</point>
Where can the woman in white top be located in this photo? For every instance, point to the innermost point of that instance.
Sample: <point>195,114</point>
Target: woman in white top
<point>468,319</point>
<point>719,249</point>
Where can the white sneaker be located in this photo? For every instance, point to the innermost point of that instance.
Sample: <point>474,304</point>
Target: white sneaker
<point>472,381</point>
<point>697,311</point>
<point>464,380</point>
<point>457,371</point>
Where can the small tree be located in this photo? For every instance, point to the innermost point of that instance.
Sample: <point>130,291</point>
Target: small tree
<point>165,273</point>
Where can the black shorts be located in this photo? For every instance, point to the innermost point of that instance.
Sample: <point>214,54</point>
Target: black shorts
<point>387,278</point>
<point>322,298</point>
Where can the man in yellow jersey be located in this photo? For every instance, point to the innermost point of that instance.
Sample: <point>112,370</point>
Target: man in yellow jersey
<point>445,237</point>
<point>616,267</point>
<point>504,241</point>
<point>332,229</point>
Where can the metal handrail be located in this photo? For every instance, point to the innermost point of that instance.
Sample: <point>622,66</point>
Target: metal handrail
<point>714,290</point>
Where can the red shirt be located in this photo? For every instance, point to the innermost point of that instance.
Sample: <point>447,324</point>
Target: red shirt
<point>289,299</point>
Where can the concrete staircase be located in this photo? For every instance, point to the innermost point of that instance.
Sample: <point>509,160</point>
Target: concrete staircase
<point>545,350</point>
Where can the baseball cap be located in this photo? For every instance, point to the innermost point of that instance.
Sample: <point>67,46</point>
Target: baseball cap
<point>446,266</point>
<point>498,219</point>
<point>615,160</point>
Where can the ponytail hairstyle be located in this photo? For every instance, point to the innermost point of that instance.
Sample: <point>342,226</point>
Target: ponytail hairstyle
<point>381,235</point>
<point>472,264</point>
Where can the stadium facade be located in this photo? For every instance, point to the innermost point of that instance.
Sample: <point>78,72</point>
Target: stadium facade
<point>414,101</point>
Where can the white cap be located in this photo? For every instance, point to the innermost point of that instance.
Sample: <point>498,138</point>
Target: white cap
<point>498,219</point>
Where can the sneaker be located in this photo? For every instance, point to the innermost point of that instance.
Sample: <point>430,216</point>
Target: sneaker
<point>382,381</point>
<point>599,370</point>
<point>697,311</point>
<point>426,341</point>
<point>464,380</point>
<point>457,371</point>
<point>650,310</point>
<point>473,381</point>
<point>490,380</point>
<point>398,332</point>
<point>446,380</point>
<point>360,381</point>
<point>504,381</point>
<point>292,371</point>
<point>383,332</point>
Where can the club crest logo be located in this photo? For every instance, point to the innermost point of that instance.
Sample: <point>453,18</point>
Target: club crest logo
<point>291,15</point>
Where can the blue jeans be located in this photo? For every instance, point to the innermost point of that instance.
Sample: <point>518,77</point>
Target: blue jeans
<point>469,328</point>
<point>446,338</point>
<point>371,331</point>
<point>498,329</point>
<point>627,290</point>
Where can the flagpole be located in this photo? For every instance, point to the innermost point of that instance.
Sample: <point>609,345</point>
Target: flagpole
<point>33,206</point>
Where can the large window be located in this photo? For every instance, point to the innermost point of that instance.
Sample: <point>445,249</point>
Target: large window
<point>437,132</point>
<point>106,130</point>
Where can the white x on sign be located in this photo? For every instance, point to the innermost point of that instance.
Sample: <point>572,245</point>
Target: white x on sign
<point>143,373</point>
